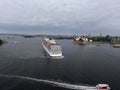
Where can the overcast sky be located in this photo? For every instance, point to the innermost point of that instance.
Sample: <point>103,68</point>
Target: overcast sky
<point>60,16</point>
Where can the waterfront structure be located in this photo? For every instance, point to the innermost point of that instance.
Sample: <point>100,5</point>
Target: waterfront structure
<point>115,40</point>
<point>82,40</point>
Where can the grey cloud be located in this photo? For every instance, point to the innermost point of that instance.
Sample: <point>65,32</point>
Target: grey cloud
<point>87,16</point>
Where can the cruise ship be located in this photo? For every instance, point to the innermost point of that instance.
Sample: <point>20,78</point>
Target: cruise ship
<point>52,48</point>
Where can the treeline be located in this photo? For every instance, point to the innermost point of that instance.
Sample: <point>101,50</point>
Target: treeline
<point>106,38</point>
<point>101,39</point>
<point>50,36</point>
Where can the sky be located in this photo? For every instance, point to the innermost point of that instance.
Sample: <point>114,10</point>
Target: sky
<point>60,17</point>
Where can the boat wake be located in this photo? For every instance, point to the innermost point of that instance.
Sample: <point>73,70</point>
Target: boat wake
<point>59,84</point>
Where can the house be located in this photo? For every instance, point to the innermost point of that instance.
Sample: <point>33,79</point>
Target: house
<point>115,40</point>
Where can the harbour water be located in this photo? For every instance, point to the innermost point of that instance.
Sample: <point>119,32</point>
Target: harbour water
<point>25,66</point>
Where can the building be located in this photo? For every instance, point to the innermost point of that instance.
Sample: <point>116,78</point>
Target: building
<point>82,40</point>
<point>115,40</point>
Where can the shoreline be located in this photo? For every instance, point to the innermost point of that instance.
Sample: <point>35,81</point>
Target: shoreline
<point>59,37</point>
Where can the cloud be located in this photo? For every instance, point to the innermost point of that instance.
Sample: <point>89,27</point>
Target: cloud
<point>37,11</point>
<point>88,15</point>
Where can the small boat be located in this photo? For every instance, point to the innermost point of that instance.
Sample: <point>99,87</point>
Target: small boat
<point>103,87</point>
<point>52,47</point>
<point>97,44</point>
<point>116,45</point>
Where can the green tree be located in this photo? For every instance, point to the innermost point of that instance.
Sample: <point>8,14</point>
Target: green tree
<point>1,42</point>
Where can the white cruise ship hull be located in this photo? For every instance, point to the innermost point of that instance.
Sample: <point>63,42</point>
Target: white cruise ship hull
<point>51,54</point>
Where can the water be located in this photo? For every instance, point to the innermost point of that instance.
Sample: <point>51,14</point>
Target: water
<point>23,64</point>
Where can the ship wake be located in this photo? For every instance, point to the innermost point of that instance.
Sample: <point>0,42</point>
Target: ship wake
<point>59,84</point>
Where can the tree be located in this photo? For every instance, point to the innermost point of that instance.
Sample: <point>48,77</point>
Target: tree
<point>1,42</point>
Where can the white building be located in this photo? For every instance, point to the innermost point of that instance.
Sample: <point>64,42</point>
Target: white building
<point>115,40</point>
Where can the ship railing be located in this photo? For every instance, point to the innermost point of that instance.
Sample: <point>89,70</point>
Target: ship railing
<point>55,52</point>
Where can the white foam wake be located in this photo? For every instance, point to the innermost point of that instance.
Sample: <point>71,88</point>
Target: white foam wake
<point>59,84</point>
